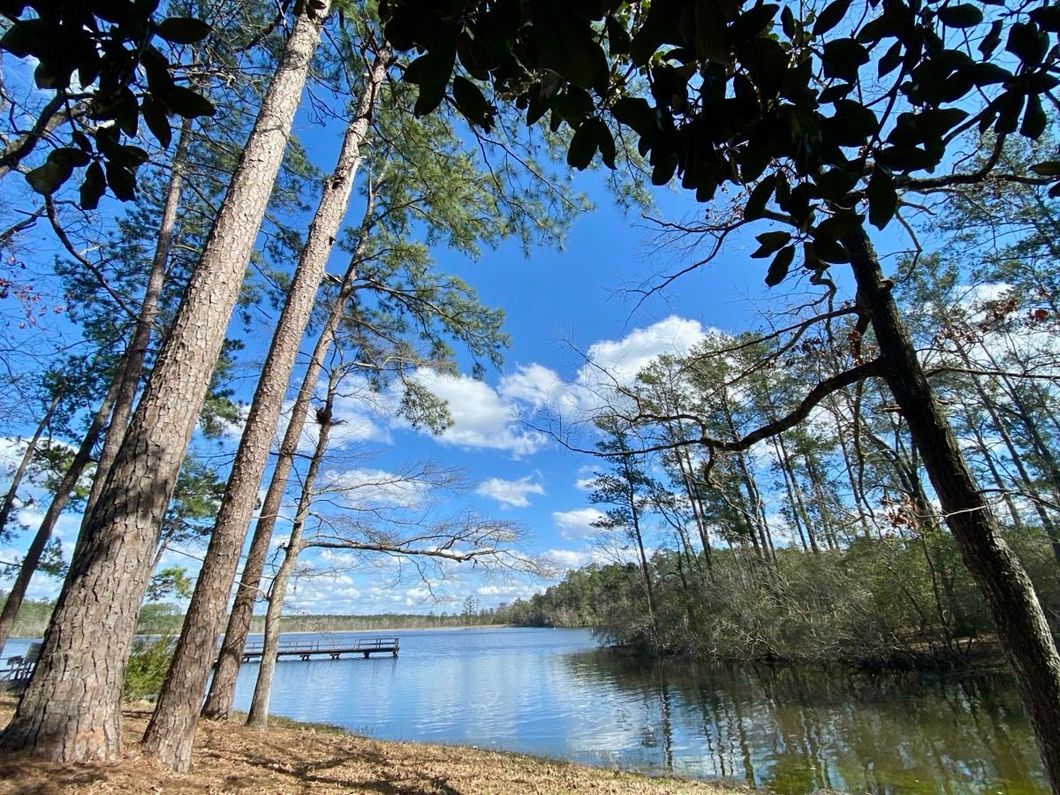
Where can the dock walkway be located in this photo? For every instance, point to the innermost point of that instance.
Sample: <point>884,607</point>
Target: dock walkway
<point>305,649</point>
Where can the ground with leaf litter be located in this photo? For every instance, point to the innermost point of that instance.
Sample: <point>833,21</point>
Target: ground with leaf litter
<point>301,758</point>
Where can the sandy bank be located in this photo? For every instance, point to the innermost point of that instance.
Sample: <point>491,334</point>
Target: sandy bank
<point>290,758</point>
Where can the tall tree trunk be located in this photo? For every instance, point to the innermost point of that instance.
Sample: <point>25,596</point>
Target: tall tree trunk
<point>796,519</point>
<point>62,495</point>
<point>71,709</point>
<point>1014,454</point>
<point>259,705</point>
<point>118,401</point>
<point>223,685</point>
<point>999,481</point>
<point>172,727</point>
<point>1014,606</point>
<point>128,376</point>
<point>31,447</point>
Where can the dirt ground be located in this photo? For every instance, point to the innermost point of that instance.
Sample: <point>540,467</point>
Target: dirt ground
<point>300,758</point>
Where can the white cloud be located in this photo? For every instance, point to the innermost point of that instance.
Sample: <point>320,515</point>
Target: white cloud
<point>577,523</point>
<point>622,359</point>
<point>482,418</point>
<point>510,493</point>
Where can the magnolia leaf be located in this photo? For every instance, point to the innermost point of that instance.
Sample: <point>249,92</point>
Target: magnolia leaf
<point>769,243</point>
<point>830,16</point>
<point>183,30</point>
<point>883,198</point>
<point>778,268</point>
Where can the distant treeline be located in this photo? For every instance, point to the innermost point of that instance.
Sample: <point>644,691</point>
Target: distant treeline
<point>165,619</point>
<point>891,602</point>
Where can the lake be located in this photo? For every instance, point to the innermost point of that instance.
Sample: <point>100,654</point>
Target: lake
<point>553,692</point>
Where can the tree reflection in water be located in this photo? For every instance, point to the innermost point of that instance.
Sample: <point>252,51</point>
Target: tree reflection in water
<point>796,730</point>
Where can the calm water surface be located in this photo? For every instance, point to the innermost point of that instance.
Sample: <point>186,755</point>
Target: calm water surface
<point>553,692</point>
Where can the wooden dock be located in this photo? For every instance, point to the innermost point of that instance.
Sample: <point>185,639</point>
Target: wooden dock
<point>306,649</point>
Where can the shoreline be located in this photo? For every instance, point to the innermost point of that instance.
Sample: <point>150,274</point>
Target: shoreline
<point>295,757</point>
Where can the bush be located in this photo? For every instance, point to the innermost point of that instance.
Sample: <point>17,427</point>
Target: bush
<point>147,667</point>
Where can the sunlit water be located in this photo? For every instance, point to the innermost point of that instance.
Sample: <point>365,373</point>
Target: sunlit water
<point>552,692</point>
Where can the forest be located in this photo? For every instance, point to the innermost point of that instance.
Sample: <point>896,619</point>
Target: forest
<point>251,210</point>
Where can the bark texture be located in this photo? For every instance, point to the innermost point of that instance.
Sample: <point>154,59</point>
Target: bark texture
<point>1009,593</point>
<point>171,730</point>
<point>259,705</point>
<point>223,685</point>
<point>71,710</point>
<point>132,364</point>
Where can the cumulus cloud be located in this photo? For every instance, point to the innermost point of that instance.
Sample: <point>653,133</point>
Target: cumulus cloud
<point>510,493</point>
<point>482,417</point>
<point>623,359</point>
<point>577,523</point>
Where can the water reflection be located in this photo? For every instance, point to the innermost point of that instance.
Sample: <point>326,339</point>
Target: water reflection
<point>552,692</point>
<point>800,730</point>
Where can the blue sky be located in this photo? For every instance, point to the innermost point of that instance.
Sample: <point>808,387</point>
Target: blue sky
<point>563,306</point>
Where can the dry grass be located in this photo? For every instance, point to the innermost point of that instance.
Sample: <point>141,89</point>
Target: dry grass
<point>301,758</point>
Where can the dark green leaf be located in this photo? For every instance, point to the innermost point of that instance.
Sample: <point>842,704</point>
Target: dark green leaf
<point>1050,168</point>
<point>25,37</point>
<point>157,118</point>
<point>68,156</point>
<point>1027,43</point>
<point>605,143</point>
<point>759,198</point>
<point>618,38</point>
<point>986,74</point>
<point>770,242</point>
<point>883,198</point>
<point>831,16</point>
<point>183,30</point>
<point>830,250</point>
<point>48,178</point>
<point>582,146</point>
<point>50,75</point>
<point>663,170</point>
<point>634,112</point>
<point>472,103</point>
<point>1047,17</point>
<point>93,186</point>
<point>122,181</point>
<point>843,57</point>
<point>188,103</point>
<point>660,26</point>
<point>778,268</point>
<point>753,21</point>
<point>890,60</point>
<point>126,112</point>
<point>431,72</point>
<point>963,15</point>
<point>991,39</point>
<point>1034,118</point>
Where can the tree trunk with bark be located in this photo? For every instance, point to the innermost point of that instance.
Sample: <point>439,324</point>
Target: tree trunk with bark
<point>1009,593</point>
<point>259,705</point>
<point>223,685</point>
<point>172,727</point>
<point>128,376</point>
<point>71,709</point>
